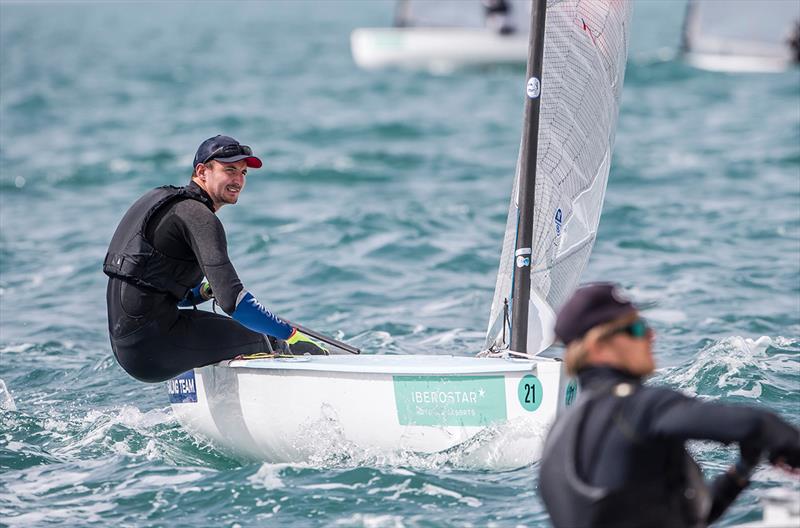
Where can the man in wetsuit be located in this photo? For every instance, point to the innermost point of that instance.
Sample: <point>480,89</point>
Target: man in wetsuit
<point>165,244</point>
<point>618,457</point>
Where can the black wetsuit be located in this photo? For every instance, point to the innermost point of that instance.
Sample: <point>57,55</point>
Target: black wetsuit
<point>630,444</point>
<point>154,340</point>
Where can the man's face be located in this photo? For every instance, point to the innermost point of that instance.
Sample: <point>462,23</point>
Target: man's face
<point>625,351</point>
<point>222,181</point>
<point>635,353</point>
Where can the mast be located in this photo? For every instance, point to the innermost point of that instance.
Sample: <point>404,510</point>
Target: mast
<point>527,181</point>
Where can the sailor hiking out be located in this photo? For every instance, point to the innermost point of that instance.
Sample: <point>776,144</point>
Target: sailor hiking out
<point>618,458</point>
<point>166,243</point>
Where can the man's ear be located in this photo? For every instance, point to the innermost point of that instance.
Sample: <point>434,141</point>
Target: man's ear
<point>200,171</point>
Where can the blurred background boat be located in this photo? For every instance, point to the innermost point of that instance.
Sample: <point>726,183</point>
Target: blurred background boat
<point>443,35</point>
<point>742,35</point>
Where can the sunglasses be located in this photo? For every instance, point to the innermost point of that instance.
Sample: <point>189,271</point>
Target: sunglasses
<point>637,329</point>
<point>229,151</point>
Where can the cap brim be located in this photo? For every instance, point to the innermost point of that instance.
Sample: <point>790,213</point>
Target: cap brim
<point>252,161</point>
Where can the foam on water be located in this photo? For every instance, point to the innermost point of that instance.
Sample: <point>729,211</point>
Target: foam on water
<point>6,399</point>
<point>268,476</point>
<point>436,491</point>
<point>740,368</point>
<point>511,445</point>
<point>372,521</point>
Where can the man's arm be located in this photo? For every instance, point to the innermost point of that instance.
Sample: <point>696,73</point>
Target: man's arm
<point>679,417</point>
<point>252,314</point>
<point>756,431</point>
<point>206,236</point>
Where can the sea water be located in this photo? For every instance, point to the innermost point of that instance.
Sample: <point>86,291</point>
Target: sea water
<point>378,218</point>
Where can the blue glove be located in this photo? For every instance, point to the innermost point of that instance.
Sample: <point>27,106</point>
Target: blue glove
<point>197,295</point>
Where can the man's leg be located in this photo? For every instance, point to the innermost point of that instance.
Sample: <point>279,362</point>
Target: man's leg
<point>195,338</point>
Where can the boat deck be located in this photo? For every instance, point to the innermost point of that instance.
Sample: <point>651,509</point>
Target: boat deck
<point>393,364</point>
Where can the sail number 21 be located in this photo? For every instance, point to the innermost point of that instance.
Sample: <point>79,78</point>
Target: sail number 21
<point>529,392</point>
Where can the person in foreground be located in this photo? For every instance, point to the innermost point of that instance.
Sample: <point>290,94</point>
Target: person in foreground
<point>167,242</point>
<point>618,458</point>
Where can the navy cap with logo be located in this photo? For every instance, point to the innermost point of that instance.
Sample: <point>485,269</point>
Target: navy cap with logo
<point>591,305</point>
<point>225,149</point>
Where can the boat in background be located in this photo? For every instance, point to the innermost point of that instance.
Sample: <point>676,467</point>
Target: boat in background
<point>443,35</point>
<point>492,410</point>
<point>742,35</point>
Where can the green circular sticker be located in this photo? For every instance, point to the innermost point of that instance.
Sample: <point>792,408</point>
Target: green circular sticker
<point>530,392</point>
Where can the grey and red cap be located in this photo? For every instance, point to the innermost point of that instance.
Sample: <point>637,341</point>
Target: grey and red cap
<point>591,305</point>
<point>225,149</point>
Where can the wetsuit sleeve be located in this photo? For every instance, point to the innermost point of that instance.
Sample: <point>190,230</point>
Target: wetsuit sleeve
<point>724,490</point>
<point>678,417</point>
<point>206,236</point>
<point>681,418</point>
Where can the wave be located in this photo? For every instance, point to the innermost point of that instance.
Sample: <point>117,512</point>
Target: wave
<point>63,435</point>
<point>446,498</point>
<point>738,368</point>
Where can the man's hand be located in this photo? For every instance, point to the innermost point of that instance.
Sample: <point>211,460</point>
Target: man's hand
<point>300,344</point>
<point>197,295</point>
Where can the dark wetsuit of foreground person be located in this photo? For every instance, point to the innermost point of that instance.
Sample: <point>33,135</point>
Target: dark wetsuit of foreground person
<point>618,459</point>
<point>165,244</point>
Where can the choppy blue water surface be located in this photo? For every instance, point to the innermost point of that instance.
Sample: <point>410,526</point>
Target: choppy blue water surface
<point>378,218</point>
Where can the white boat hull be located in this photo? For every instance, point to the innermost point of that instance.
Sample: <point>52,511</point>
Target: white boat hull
<point>740,63</point>
<point>435,49</point>
<point>493,413</point>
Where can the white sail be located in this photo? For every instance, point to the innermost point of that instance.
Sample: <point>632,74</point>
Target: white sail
<point>741,35</point>
<point>585,51</point>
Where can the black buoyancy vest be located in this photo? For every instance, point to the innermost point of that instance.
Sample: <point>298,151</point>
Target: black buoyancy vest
<point>132,257</point>
<point>679,499</point>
